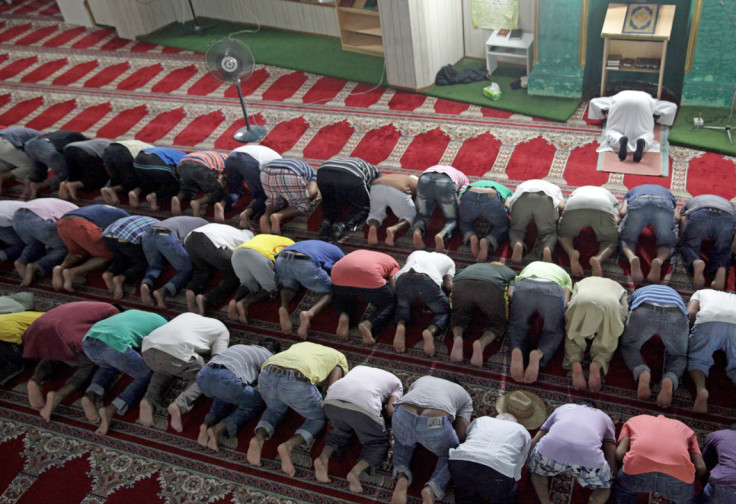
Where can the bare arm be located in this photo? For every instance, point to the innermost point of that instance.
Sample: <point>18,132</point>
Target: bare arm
<point>567,297</point>
<point>609,451</point>
<point>537,437</point>
<point>510,291</point>
<point>447,283</point>
<point>461,428</point>
<point>335,375</point>
<point>699,463</point>
<point>622,210</point>
<point>623,447</point>
<point>390,405</point>
<point>692,310</point>
<point>392,284</point>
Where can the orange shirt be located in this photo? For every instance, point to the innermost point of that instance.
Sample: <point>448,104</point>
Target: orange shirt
<point>660,444</point>
<point>365,269</point>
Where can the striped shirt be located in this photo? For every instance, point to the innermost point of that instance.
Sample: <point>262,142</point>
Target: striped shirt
<point>658,295</point>
<point>356,167</point>
<point>130,229</point>
<point>213,160</point>
<point>303,169</point>
<point>720,457</point>
<point>244,361</point>
<point>458,177</point>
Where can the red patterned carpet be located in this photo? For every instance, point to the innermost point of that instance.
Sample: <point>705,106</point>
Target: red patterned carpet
<point>55,76</point>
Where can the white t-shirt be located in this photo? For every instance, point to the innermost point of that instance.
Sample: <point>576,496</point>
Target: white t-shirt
<point>260,153</point>
<point>224,235</point>
<point>715,306</point>
<point>7,209</point>
<point>434,264</point>
<point>367,387</point>
<point>187,335</point>
<point>592,198</point>
<point>537,185</point>
<point>502,445</point>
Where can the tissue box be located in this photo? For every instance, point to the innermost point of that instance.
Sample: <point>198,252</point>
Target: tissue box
<point>492,92</point>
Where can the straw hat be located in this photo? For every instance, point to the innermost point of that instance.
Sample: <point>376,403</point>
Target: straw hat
<point>528,408</point>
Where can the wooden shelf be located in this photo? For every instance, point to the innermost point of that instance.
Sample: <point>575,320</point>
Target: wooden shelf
<point>360,29</point>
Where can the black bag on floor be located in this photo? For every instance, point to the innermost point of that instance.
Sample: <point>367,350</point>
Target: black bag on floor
<point>448,75</point>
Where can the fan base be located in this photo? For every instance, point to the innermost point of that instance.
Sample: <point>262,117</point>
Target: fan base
<point>250,133</point>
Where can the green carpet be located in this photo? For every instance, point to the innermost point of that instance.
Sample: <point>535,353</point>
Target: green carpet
<point>324,56</point>
<point>685,134</point>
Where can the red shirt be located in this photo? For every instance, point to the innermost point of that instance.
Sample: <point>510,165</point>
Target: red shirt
<point>365,269</point>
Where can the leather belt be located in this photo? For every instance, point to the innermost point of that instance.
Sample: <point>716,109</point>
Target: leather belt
<point>160,231</point>
<point>295,255</point>
<point>294,373</point>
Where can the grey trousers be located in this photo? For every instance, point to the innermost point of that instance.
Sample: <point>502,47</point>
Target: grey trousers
<point>537,206</point>
<point>165,368</point>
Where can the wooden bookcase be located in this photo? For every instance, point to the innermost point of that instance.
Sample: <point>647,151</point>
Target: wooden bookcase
<point>360,28</point>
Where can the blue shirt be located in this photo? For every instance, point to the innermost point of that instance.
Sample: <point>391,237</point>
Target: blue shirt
<point>658,295</point>
<point>130,229</point>
<point>169,156</point>
<point>99,215</point>
<point>651,190</point>
<point>18,136</point>
<point>324,254</point>
<point>303,169</point>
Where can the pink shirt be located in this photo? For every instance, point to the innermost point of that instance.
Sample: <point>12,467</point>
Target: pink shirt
<point>50,208</point>
<point>660,444</point>
<point>365,269</point>
<point>458,177</point>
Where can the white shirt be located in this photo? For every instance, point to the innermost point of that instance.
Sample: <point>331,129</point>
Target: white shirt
<point>433,264</point>
<point>7,210</point>
<point>224,235</point>
<point>592,198</point>
<point>260,153</point>
<point>366,387</point>
<point>715,306</point>
<point>537,185</point>
<point>502,445</point>
<point>187,335</point>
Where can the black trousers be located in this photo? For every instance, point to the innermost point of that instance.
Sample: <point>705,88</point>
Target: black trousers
<point>206,261</point>
<point>340,188</point>
<point>477,483</point>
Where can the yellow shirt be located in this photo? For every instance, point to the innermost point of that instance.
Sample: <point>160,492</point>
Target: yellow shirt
<point>314,361</point>
<point>267,244</point>
<point>13,325</point>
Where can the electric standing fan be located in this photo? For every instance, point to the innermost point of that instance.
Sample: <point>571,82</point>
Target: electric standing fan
<point>231,61</point>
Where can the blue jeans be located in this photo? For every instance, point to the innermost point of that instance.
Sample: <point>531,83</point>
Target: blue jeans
<point>718,494</point>
<point>241,167</point>
<point>647,210</point>
<point>703,224</point>
<point>45,156</point>
<point>547,299</point>
<point>15,245</point>
<point>705,339</point>
<point>39,234</point>
<point>410,287</point>
<point>436,434</point>
<point>293,273</point>
<point>677,491</point>
<point>436,189</point>
<point>283,392</point>
<point>672,326</point>
<point>474,205</point>
<point>157,245</point>
<point>110,361</point>
<point>227,392</point>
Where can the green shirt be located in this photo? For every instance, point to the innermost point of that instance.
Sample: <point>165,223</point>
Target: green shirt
<point>125,330</point>
<point>499,275</point>
<point>314,361</point>
<point>502,190</point>
<point>546,271</point>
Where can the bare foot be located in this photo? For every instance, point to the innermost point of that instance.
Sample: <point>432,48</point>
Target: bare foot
<point>365,332</point>
<point>664,398</point>
<point>575,268</point>
<point>456,354</point>
<point>160,296</point>
<point>31,270</point>
<point>390,237</point>
<point>474,246</point>
<point>399,495</point>
<point>532,370</point>
<point>90,410</point>
<point>242,312</point>
<point>275,225</point>
<point>428,495</point>
<point>35,395</point>
<point>578,378</point>
<point>400,339</point>
<point>343,326</point>
<point>107,277</point>
<point>483,250</point>
<point>20,267</point>
<point>516,370</point>
<point>57,278</point>
<point>286,465</point>
<point>64,191</point>
<point>655,272</point>
<point>477,358</point>
<point>372,235</point>
<point>48,408</point>
<point>644,390</point>
<point>191,301</point>
<point>701,402</point>
<point>439,243</point>
<point>110,196</point>
<point>636,274</point>
<point>203,437</point>
<point>305,321</point>
<point>68,280</point>
<point>146,413</point>
<point>133,199</point>
<point>516,255</point>
<point>547,254</point>
<point>718,283</point>
<point>146,295</point>
<point>176,206</point>
<point>254,451</point>
<point>219,213</point>
<point>72,192</point>
<point>698,273</point>
<point>284,320</point>
<point>354,482</point>
<point>198,209</point>
<point>34,187</point>
<point>212,443</point>
<point>201,301</point>
<point>595,266</point>
<point>594,377</point>
<point>117,291</point>
<point>320,470</point>
<point>232,310</point>
<point>245,220</point>
<point>175,414</point>
<point>428,338</point>
<point>106,415</point>
<point>418,240</point>
<point>152,201</point>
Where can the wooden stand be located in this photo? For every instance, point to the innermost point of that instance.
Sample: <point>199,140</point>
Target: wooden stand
<point>633,46</point>
<point>360,28</point>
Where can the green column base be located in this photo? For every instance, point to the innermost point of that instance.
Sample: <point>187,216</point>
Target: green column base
<point>708,94</point>
<point>558,82</point>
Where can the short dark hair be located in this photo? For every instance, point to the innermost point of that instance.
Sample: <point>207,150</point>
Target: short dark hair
<point>270,344</point>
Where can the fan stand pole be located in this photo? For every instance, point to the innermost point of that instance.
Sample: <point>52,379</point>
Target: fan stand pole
<point>249,133</point>
<point>198,29</point>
